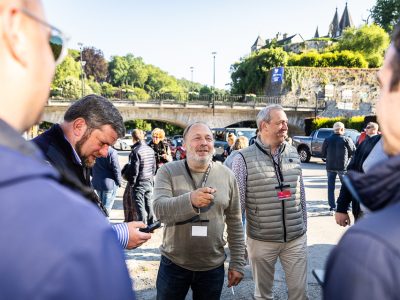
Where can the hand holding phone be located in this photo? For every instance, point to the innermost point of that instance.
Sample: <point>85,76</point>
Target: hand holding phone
<point>151,227</point>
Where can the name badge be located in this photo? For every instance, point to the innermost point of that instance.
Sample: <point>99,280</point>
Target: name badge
<point>199,230</point>
<point>284,195</point>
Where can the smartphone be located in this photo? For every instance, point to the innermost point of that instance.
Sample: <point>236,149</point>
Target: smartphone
<point>151,227</point>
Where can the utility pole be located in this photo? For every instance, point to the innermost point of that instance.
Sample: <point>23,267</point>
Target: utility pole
<point>213,100</point>
<point>83,70</point>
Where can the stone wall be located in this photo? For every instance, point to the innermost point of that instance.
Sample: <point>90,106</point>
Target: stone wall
<point>345,91</point>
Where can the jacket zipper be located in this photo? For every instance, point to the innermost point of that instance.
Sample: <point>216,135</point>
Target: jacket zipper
<point>283,219</point>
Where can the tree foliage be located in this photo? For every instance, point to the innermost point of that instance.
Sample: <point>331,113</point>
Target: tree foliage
<point>369,40</point>
<point>386,13</point>
<point>344,58</point>
<point>96,65</point>
<point>249,75</point>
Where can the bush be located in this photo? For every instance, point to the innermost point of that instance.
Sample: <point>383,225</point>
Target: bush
<point>355,122</point>
<point>344,58</point>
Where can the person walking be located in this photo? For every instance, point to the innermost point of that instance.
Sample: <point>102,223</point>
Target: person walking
<point>271,186</point>
<point>55,244</point>
<point>106,178</point>
<point>337,149</point>
<point>140,176</point>
<point>195,198</point>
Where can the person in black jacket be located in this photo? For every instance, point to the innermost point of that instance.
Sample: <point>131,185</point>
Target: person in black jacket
<point>337,149</point>
<point>140,176</point>
<point>345,198</point>
<point>162,151</point>
<point>365,264</point>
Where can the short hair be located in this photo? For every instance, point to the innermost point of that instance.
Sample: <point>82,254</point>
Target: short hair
<point>373,124</point>
<point>158,132</point>
<point>138,135</point>
<point>185,132</point>
<point>395,62</point>
<point>231,136</point>
<point>97,111</point>
<point>265,114</point>
<point>241,143</point>
<point>337,126</point>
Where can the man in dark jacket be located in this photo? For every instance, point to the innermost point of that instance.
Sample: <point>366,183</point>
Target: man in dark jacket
<point>337,149</point>
<point>106,178</point>
<point>91,125</point>
<point>345,198</point>
<point>55,244</point>
<point>365,264</point>
<point>140,175</point>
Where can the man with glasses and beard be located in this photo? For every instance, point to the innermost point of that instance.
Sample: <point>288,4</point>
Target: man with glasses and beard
<point>194,198</point>
<point>91,125</point>
<point>55,244</point>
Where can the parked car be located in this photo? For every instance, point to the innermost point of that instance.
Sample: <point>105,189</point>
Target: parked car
<point>177,150</point>
<point>124,144</point>
<point>308,146</point>
<point>221,134</point>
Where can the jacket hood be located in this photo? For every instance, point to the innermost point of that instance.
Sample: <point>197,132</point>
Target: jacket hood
<point>380,186</point>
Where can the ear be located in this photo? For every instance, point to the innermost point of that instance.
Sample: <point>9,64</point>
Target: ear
<point>15,33</point>
<point>79,128</point>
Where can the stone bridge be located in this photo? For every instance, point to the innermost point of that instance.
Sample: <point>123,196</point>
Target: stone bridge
<point>217,114</point>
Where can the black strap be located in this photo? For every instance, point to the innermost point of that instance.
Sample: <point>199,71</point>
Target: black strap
<point>277,168</point>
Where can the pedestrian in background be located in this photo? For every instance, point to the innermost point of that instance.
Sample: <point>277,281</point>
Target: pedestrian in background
<point>106,178</point>
<point>365,263</point>
<point>337,149</point>
<point>160,147</point>
<point>231,138</point>
<point>140,175</point>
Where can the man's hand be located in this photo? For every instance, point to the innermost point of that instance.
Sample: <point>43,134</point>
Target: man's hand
<point>136,238</point>
<point>234,277</point>
<point>202,197</point>
<point>342,219</point>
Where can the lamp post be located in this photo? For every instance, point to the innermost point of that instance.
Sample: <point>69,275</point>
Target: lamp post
<point>213,100</point>
<point>191,74</point>
<point>82,67</point>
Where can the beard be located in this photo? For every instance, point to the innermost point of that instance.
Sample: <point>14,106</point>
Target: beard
<point>86,160</point>
<point>204,160</point>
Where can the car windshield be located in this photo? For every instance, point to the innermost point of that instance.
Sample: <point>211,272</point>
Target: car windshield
<point>247,133</point>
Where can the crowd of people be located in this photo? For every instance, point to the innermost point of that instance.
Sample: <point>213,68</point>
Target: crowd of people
<point>58,190</point>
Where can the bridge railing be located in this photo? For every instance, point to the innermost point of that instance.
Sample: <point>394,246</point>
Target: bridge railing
<point>210,100</point>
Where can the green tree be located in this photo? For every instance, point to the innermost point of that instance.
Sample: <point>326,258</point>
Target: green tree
<point>118,69</point>
<point>370,40</point>
<point>68,68</point>
<point>249,75</point>
<point>386,13</point>
<point>96,65</point>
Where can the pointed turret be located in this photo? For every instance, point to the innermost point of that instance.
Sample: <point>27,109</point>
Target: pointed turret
<point>258,44</point>
<point>345,21</point>
<point>316,35</point>
<point>334,26</point>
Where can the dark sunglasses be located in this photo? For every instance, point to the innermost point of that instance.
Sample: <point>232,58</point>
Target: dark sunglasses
<point>58,41</point>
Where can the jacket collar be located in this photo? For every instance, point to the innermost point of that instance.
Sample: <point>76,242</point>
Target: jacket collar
<point>10,138</point>
<point>379,187</point>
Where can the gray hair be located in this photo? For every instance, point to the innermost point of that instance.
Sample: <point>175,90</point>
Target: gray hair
<point>97,111</point>
<point>185,132</point>
<point>265,114</point>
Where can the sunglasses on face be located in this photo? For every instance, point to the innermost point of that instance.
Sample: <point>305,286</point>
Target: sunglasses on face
<point>57,40</point>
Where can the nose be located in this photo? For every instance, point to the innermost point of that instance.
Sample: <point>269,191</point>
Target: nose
<point>104,151</point>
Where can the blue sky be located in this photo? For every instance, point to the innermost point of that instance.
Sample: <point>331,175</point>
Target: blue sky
<point>177,34</point>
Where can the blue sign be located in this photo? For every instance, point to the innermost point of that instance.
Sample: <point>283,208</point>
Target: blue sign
<point>277,75</point>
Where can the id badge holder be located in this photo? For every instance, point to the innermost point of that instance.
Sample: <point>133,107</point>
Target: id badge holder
<point>284,195</point>
<point>199,229</point>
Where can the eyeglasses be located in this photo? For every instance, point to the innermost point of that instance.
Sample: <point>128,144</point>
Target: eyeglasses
<point>58,40</point>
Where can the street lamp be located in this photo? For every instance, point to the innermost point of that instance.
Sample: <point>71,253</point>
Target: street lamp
<point>191,73</point>
<point>214,53</point>
<point>82,67</point>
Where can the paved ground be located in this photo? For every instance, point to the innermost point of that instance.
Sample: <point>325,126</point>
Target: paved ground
<point>323,234</point>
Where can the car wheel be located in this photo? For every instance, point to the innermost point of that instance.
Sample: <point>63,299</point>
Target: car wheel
<point>304,154</point>
<point>178,155</point>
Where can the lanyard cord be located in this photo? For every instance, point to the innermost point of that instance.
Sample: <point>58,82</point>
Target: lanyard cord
<point>277,168</point>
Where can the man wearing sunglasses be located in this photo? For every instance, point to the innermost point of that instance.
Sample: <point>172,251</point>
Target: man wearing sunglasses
<point>55,244</point>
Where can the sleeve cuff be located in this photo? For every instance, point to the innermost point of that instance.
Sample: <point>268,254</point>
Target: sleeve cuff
<point>122,232</point>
